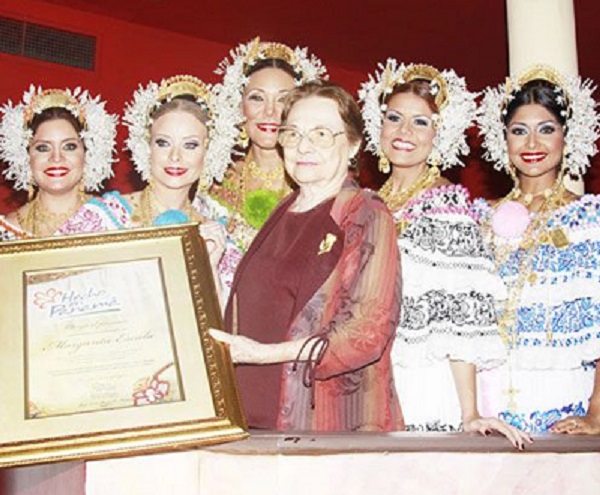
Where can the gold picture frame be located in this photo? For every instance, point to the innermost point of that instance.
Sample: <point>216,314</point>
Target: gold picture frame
<point>105,347</point>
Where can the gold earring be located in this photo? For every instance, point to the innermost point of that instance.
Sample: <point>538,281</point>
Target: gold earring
<point>243,139</point>
<point>384,164</point>
<point>30,191</point>
<point>434,158</point>
<point>512,171</point>
<point>203,184</point>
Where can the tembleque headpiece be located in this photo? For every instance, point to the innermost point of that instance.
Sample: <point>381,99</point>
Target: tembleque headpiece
<point>245,56</point>
<point>575,96</point>
<point>146,100</point>
<point>456,106</point>
<point>98,134</point>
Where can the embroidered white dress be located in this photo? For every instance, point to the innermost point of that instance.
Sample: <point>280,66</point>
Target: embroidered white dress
<point>448,311</point>
<point>550,372</point>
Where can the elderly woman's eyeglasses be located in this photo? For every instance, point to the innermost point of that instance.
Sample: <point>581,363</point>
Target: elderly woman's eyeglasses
<point>321,137</point>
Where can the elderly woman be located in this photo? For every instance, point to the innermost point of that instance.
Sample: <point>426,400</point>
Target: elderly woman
<point>546,242</point>
<point>58,144</point>
<point>315,300</point>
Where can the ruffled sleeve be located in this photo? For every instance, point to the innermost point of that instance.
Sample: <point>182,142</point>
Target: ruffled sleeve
<point>109,212</point>
<point>558,319</point>
<point>450,287</point>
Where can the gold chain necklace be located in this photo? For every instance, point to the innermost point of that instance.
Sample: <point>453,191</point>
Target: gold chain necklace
<point>251,170</point>
<point>529,197</point>
<point>267,179</point>
<point>41,222</point>
<point>536,233</point>
<point>149,208</point>
<point>395,200</point>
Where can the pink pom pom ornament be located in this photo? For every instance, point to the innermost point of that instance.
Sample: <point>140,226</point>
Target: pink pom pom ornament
<point>510,220</point>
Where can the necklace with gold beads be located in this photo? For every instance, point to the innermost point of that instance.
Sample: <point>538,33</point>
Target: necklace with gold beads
<point>536,233</point>
<point>396,200</point>
<point>149,208</point>
<point>41,222</point>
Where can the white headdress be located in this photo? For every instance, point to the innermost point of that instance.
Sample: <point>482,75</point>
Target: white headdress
<point>575,95</point>
<point>456,106</point>
<point>221,128</point>
<point>242,58</point>
<point>98,134</point>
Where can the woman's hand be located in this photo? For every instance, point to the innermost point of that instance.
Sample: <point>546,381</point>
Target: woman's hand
<point>248,351</point>
<point>485,426</point>
<point>578,425</point>
<point>214,235</point>
<point>243,350</point>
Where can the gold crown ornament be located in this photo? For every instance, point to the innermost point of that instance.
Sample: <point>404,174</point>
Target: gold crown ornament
<point>183,85</point>
<point>53,98</point>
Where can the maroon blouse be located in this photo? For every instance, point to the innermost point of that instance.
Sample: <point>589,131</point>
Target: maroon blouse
<point>268,302</point>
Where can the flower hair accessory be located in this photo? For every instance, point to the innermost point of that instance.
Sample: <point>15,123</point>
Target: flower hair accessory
<point>456,106</point>
<point>221,130</point>
<point>242,58</point>
<point>98,134</point>
<point>575,95</point>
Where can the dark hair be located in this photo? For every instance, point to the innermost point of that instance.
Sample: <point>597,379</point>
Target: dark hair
<point>417,87</point>
<point>347,106</point>
<point>272,63</point>
<point>55,113</point>
<point>183,103</point>
<point>538,92</point>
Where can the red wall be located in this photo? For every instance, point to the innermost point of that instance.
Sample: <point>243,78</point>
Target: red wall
<point>127,55</point>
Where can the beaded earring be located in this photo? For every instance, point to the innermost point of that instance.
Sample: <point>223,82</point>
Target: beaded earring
<point>434,158</point>
<point>384,164</point>
<point>243,139</point>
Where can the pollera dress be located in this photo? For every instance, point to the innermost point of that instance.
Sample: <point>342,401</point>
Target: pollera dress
<point>448,305</point>
<point>549,374</point>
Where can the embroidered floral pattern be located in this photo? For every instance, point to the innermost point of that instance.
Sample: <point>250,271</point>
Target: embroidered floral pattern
<point>454,239</point>
<point>468,314</point>
<point>541,421</point>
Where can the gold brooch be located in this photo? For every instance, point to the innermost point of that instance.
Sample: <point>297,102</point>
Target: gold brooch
<point>327,243</point>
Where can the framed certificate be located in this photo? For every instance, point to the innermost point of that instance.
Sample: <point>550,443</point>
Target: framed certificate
<point>105,348</point>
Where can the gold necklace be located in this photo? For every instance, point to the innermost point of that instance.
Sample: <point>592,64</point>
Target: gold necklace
<point>537,233</point>
<point>266,178</point>
<point>529,197</point>
<point>395,200</point>
<point>251,170</point>
<point>149,208</point>
<point>41,222</point>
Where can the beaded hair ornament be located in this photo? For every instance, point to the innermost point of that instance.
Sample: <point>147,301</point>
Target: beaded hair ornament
<point>146,100</point>
<point>98,134</point>
<point>245,56</point>
<point>573,94</point>
<point>456,106</point>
